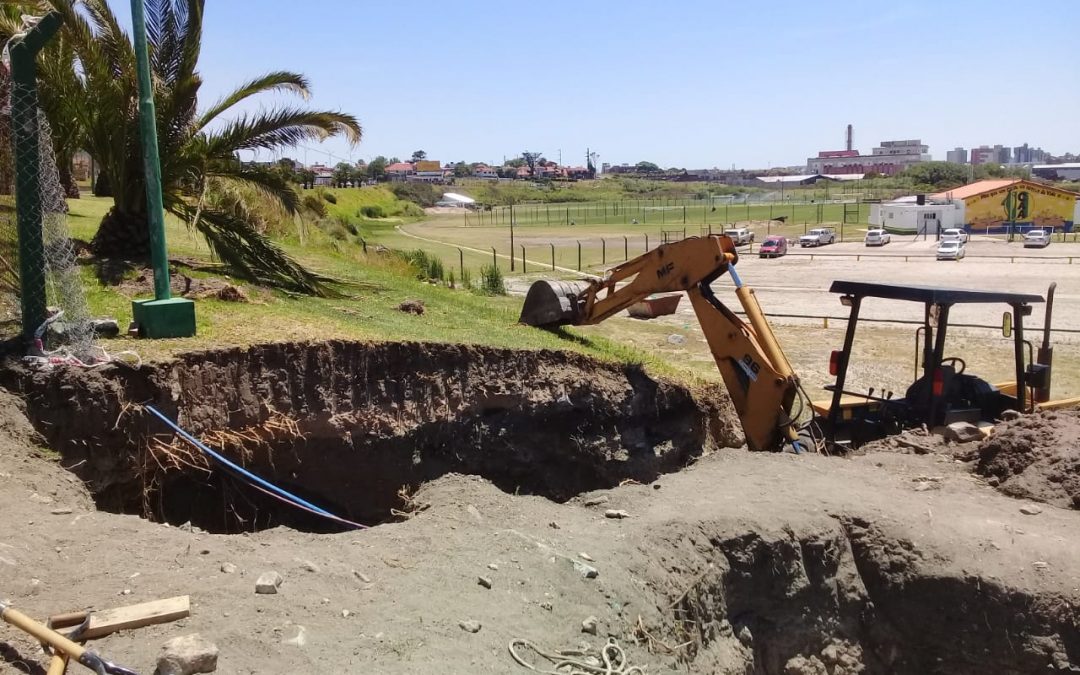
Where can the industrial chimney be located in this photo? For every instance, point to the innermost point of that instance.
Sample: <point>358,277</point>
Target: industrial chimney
<point>850,140</point>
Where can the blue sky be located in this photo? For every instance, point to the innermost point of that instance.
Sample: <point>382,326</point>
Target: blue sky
<point>686,83</point>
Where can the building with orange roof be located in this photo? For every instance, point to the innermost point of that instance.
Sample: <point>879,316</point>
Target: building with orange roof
<point>991,206</point>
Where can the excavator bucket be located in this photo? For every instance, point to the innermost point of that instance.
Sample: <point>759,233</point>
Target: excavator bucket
<point>552,303</point>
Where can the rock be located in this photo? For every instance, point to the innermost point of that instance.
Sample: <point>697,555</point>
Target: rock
<point>616,513</point>
<point>493,566</point>
<point>301,637</point>
<point>587,571</point>
<point>62,511</point>
<point>962,432</point>
<point>596,501</point>
<point>412,307</point>
<point>361,576</point>
<point>585,556</point>
<point>1030,509</point>
<point>469,626</point>
<point>1009,415</point>
<point>546,605</point>
<point>228,568</point>
<point>187,655</point>
<point>590,625</point>
<point>1040,565</point>
<point>745,636</point>
<point>553,525</point>
<point>676,339</point>
<point>345,614</point>
<point>309,566</point>
<point>105,328</point>
<point>268,583</point>
<point>484,581</point>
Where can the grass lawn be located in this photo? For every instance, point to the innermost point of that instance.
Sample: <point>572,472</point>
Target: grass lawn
<point>367,312</point>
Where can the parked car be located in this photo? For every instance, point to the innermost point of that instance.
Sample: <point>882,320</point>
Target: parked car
<point>954,234</point>
<point>740,235</point>
<point>1036,238</point>
<point>950,250</point>
<point>818,236</point>
<point>877,238</point>
<point>773,247</point>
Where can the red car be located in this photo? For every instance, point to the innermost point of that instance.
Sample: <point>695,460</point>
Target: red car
<point>773,247</point>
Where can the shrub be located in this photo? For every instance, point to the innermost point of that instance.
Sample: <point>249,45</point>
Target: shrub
<point>450,281</point>
<point>466,279</point>
<point>435,269</point>
<point>372,211</point>
<point>410,209</point>
<point>314,204</point>
<point>491,281</point>
<point>330,197</point>
<point>423,194</point>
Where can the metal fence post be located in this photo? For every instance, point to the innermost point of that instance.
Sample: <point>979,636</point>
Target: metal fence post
<point>522,259</point>
<point>579,256</point>
<point>603,251</point>
<point>552,256</point>
<point>646,242</point>
<point>25,137</point>
<point>626,248</point>
<point>461,261</point>
<point>495,258</point>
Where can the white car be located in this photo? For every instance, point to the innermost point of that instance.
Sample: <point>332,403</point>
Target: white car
<point>818,237</point>
<point>1036,238</point>
<point>955,234</point>
<point>740,235</point>
<point>877,238</point>
<point>950,250</point>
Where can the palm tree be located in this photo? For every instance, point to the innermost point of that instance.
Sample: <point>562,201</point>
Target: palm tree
<point>203,181</point>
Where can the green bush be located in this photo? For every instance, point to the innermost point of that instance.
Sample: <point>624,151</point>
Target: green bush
<point>410,210</point>
<point>491,281</point>
<point>426,266</point>
<point>423,194</point>
<point>372,211</point>
<point>330,197</point>
<point>314,204</point>
<point>466,279</point>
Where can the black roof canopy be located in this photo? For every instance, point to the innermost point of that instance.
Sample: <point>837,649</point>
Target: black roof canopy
<point>930,294</point>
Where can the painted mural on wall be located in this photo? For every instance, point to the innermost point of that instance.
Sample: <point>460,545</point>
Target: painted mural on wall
<point>1025,204</point>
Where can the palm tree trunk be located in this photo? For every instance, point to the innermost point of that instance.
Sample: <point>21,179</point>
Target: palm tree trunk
<point>122,235</point>
<point>67,179</point>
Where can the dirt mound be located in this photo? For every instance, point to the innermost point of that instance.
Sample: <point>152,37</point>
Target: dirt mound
<point>356,427</point>
<point>1035,457</point>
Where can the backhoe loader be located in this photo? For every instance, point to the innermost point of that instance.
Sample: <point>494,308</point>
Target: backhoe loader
<point>772,406</point>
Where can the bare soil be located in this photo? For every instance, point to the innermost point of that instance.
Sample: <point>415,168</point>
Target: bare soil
<point>1035,457</point>
<point>728,561</point>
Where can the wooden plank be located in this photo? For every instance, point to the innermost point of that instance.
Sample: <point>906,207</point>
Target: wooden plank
<point>136,616</point>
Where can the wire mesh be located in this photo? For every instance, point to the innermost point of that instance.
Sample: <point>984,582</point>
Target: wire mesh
<point>56,267</point>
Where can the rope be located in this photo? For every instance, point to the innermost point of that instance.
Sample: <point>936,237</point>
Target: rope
<point>64,356</point>
<point>612,656</point>
<point>250,478</point>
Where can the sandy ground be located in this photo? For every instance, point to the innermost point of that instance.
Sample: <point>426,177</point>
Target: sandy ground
<point>391,599</point>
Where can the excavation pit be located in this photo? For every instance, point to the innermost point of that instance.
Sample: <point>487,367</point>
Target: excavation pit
<point>355,428</point>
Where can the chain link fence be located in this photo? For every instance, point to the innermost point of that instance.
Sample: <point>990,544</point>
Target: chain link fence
<point>46,269</point>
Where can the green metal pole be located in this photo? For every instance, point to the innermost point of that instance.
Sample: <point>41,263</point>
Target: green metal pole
<point>25,138</point>
<point>151,163</point>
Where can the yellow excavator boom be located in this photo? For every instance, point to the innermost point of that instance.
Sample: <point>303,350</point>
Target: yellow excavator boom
<point>755,370</point>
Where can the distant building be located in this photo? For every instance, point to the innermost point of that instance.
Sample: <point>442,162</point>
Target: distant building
<point>1069,171</point>
<point>984,205</point>
<point>1022,154</point>
<point>889,158</point>
<point>400,170</point>
<point>424,171</point>
<point>484,171</point>
<point>957,156</point>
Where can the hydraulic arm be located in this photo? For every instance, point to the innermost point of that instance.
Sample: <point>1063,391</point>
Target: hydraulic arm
<point>755,370</point>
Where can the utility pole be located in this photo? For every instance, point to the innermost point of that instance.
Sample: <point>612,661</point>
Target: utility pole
<point>164,316</point>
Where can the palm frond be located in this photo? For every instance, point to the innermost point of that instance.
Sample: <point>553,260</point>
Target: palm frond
<point>269,184</point>
<point>250,254</point>
<point>276,81</point>
<point>282,127</point>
